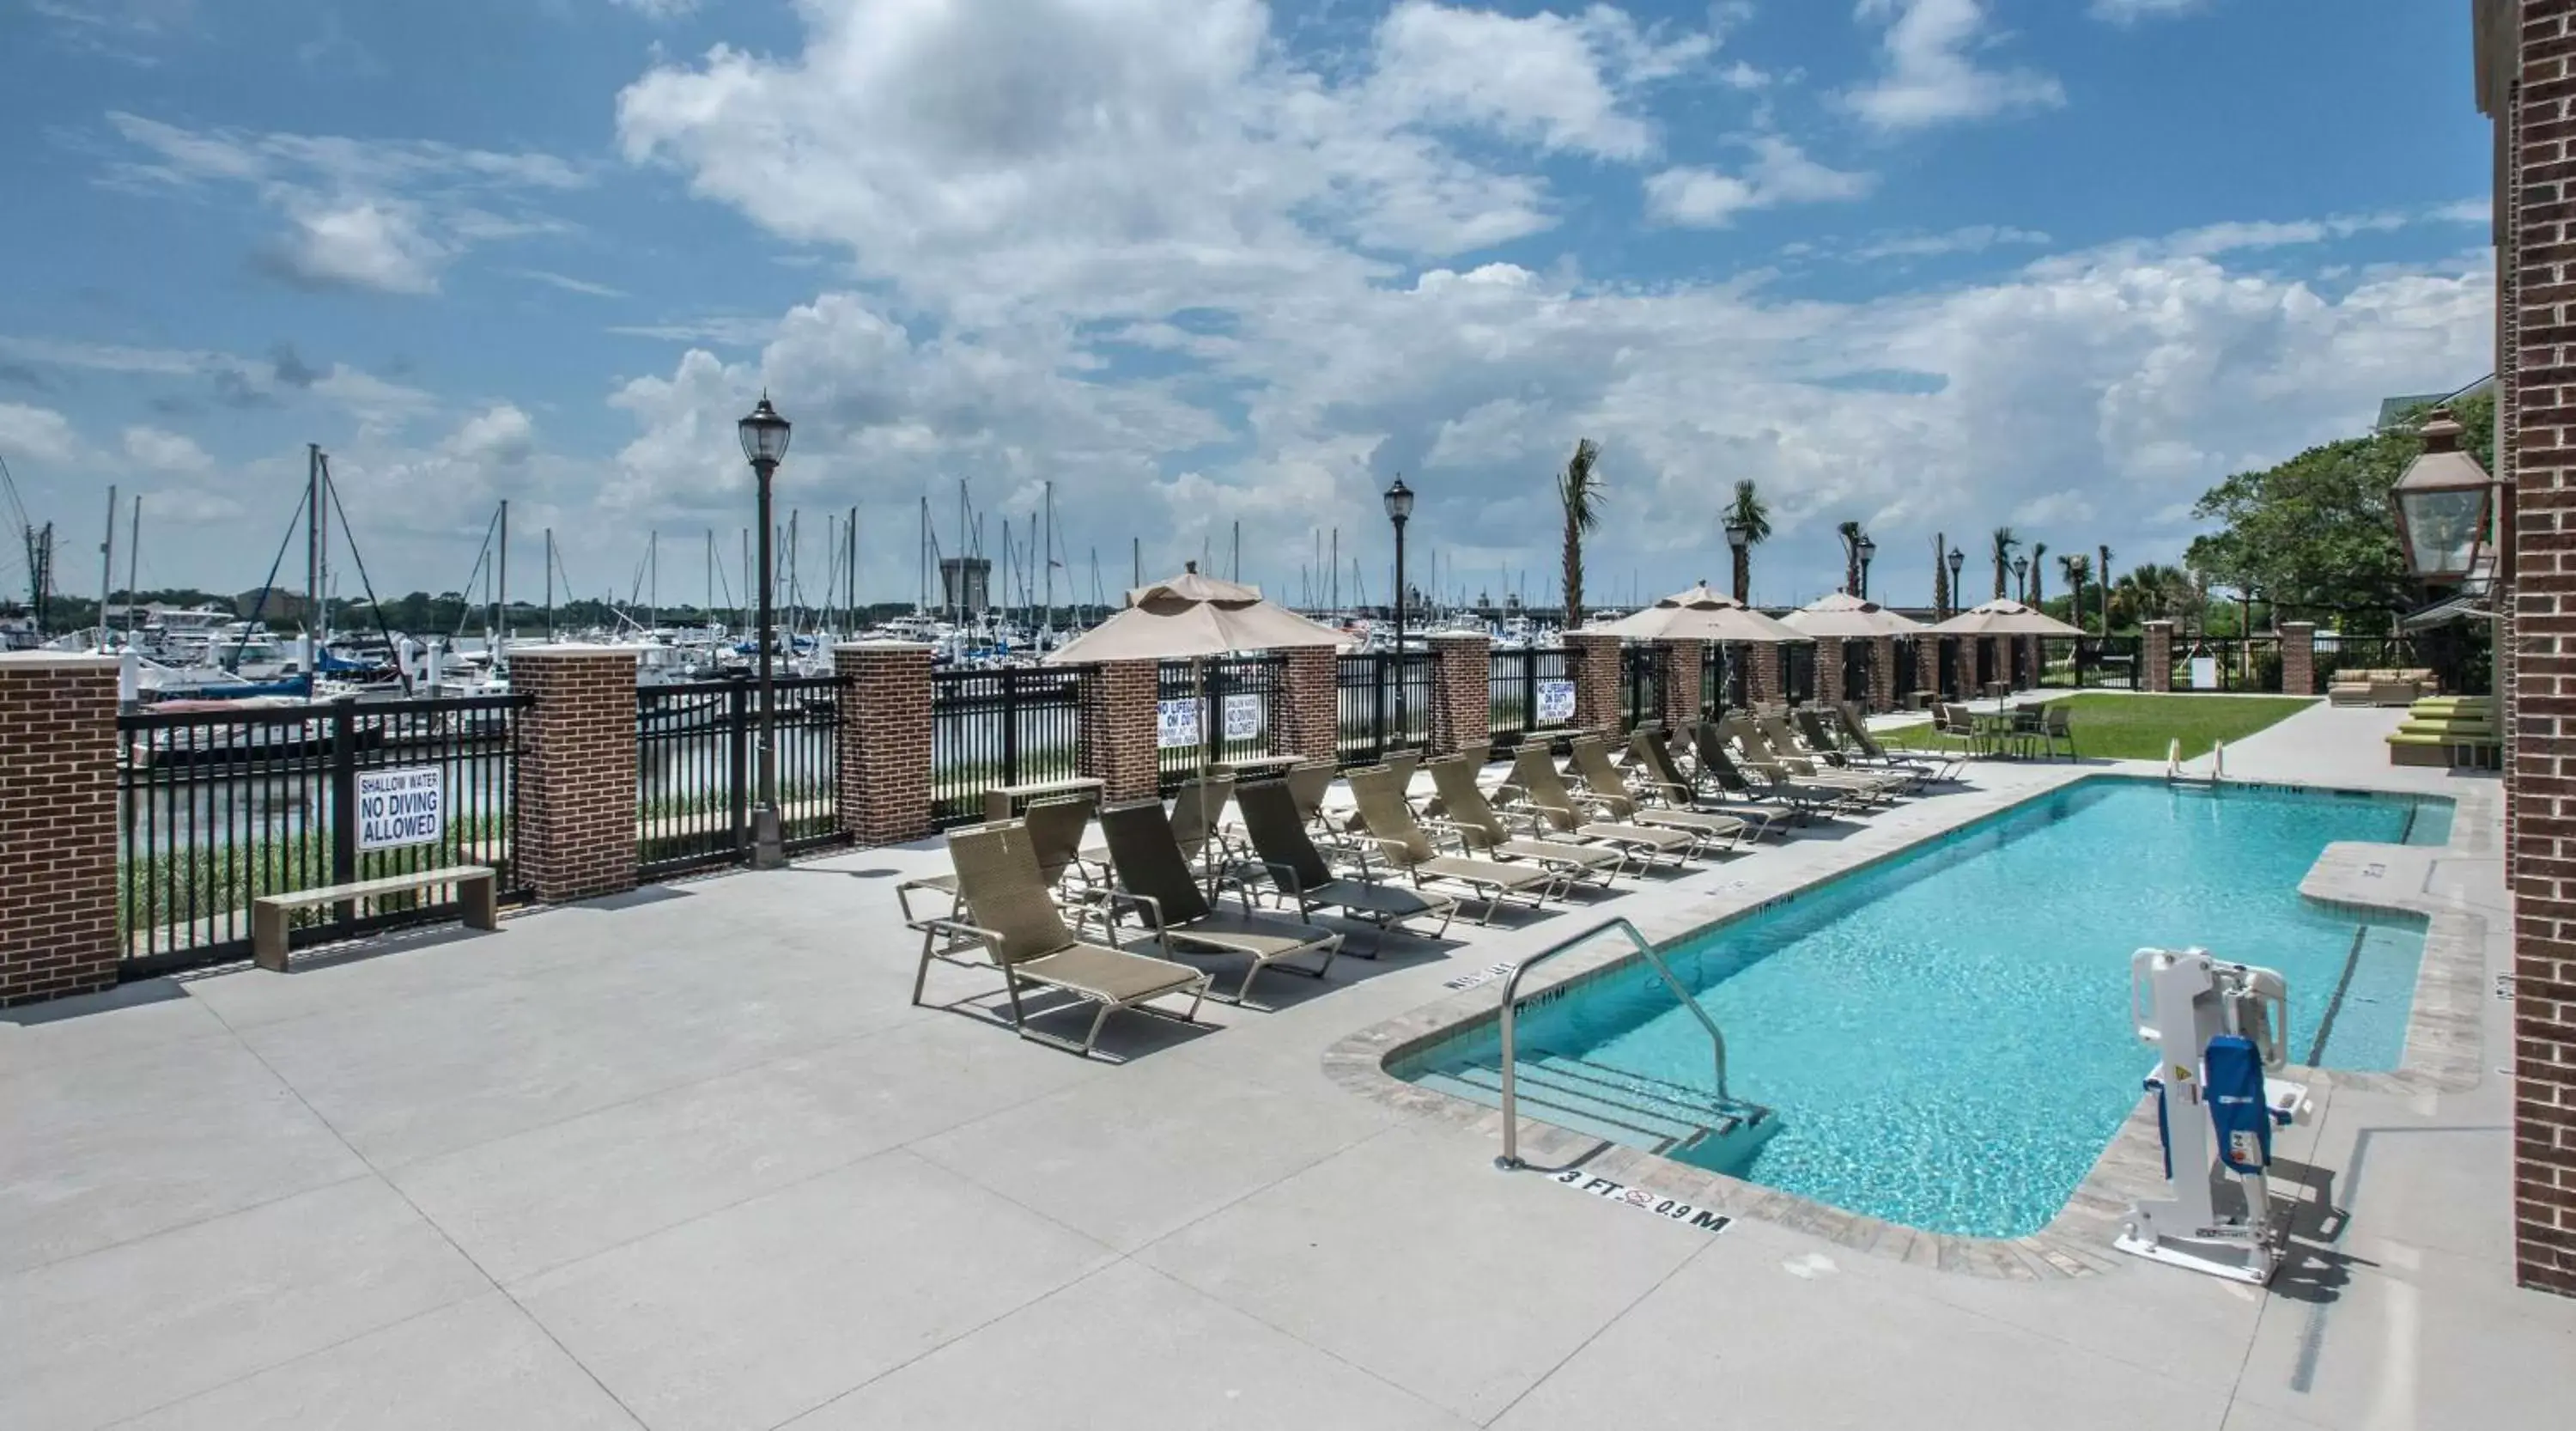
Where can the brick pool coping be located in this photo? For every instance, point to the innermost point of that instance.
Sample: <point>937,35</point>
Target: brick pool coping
<point>2445,1041</point>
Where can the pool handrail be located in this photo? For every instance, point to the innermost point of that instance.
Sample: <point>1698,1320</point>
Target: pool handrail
<point>1510,1161</point>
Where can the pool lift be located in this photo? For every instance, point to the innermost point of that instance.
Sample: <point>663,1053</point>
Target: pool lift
<point>2219,1027</point>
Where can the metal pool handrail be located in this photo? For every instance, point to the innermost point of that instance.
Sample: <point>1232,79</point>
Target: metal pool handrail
<point>1510,1161</point>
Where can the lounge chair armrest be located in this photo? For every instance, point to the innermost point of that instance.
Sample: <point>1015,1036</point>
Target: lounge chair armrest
<point>960,929</point>
<point>1111,899</point>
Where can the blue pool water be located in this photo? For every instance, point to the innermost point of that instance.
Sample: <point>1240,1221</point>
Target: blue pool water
<point>1945,1037</point>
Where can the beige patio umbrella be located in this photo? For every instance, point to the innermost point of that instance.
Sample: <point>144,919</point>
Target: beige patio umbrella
<point>1701,614</point>
<point>1848,617</point>
<point>2003,616</point>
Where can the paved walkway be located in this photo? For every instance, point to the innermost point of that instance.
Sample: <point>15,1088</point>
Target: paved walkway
<point>688,1159</point>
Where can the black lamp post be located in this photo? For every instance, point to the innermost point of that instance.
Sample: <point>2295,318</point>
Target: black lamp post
<point>2021,577</point>
<point>1867,549</point>
<point>1958,559</point>
<point>1399,510</point>
<point>764,442</point>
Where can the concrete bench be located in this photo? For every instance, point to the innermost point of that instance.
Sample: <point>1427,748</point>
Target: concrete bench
<point>476,889</point>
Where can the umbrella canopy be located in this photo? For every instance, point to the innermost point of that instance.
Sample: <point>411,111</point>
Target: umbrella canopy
<point>1845,615</point>
<point>2003,617</point>
<point>1701,614</point>
<point>1192,615</point>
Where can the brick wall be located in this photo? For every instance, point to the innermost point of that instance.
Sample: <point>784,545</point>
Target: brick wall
<point>883,796</point>
<point>2298,658</point>
<point>1309,705</point>
<point>2155,663</point>
<point>1882,673</point>
<point>1118,730</point>
<point>575,836</point>
<point>1593,661</point>
<point>1927,662</point>
<point>57,825</point>
<point>1766,673</point>
<point>1829,669</point>
<point>1462,694</point>
<point>1683,661</point>
<point>2541,318</point>
<point>1963,658</point>
<point>2027,677</point>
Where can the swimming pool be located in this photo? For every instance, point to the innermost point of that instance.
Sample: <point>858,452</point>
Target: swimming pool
<point>1944,1037</point>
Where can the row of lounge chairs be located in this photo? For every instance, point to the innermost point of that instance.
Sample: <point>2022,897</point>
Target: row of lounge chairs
<point>1025,895</point>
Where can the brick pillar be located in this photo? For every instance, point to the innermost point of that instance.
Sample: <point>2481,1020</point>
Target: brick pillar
<point>1462,694</point>
<point>2536,658</point>
<point>2298,658</point>
<point>1592,659</point>
<point>883,792</point>
<point>1118,730</point>
<point>575,836</point>
<point>1829,670</point>
<point>1309,706</point>
<point>1963,658</point>
<point>1882,673</point>
<point>2028,650</point>
<point>2156,663</point>
<point>1682,664</point>
<point>57,825</point>
<point>1927,661</point>
<point>1766,674</point>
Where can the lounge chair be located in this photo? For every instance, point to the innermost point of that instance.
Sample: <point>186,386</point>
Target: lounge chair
<point>1936,765</point>
<point>1400,839</point>
<point>1825,740</point>
<point>1054,831</point>
<point>1308,784</point>
<point>1761,755</point>
<point>1807,797</point>
<point>1536,781</point>
<point>1196,808</point>
<point>1472,816</point>
<point>1786,748</point>
<point>1592,765</point>
<point>1005,908</point>
<point>1662,778</point>
<point>1153,875</point>
<point>1299,871</point>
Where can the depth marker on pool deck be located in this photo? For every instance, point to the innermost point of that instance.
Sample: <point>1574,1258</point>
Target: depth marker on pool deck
<point>1671,1209</point>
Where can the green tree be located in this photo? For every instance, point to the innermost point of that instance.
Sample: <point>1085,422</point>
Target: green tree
<point>1750,512</point>
<point>1578,490</point>
<point>2077,568</point>
<point>1850,533</point>
<point>2038,570</point>
<point>2004,544</point>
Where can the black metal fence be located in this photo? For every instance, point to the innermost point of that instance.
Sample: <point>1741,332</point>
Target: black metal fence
<point>696,768</point>
<point>2239,664</point>
<point>1798,672</point>
<point>1525,684</point>
<point>1237,707</point>
<point>1642,682</point>
<point>2336,652</point>
<point>1370,719</point>
<point>217,808</point>
<point>1009,726</point>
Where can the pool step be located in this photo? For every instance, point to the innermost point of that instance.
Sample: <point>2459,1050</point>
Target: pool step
<point>1613,1104</point>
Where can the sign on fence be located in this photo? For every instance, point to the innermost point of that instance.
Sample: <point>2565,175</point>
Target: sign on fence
<point>401,807</point>
<point>1555,702</point>
<point>1243,716</point>
<point>2204,673</point>
<point>1176,722</point>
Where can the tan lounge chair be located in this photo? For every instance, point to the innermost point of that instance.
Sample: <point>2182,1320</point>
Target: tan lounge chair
<point>1661,778</point>
<point>1401,841</point>
<point>1301,874</point>
<point>1938,766</point>
<point>1592,765</point>
<point>1151,873</point>
<point>1054,830</point>
<point>1536,782</point>
<point>1807,797</point>
<point>1005,907</point>
<point>1468,812</point>
<point>1761,755</point>
<point>1786,748</point>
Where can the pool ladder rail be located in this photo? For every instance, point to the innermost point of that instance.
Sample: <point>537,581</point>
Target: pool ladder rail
<point>2175,774</point>
<point>1660,1116</point>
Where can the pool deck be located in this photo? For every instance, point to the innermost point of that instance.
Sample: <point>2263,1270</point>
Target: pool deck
<point>688,1158</point>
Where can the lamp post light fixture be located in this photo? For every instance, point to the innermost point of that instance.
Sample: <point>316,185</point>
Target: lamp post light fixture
<point>2021,578</point>
<point>1399,510</point>
<point>1958,560</point>
<point>1867,549</point>
<point>1739,537</point>
<point>2446,508</point>
<point>764,443</point>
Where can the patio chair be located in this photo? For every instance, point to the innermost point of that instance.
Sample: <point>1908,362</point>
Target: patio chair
<point>1663,779</point>
<point>1400,838</point>
<point>2057,728</point>
<point>1536,782</point>
<point>1760,755</point>
<point>1822,738</point>
<point>1300,872</point>
<point>1402,763</point>
<point>1592,765</point>
<point>1054,830</point>
<point>1483,832</point>
<point>1308,784</point>
<point>1806,797</point>
<point>1004,907</point>
<point>1936,765</point>
<point>1154,877</point>
<point>1959,724</point>
<point>1773,733</point>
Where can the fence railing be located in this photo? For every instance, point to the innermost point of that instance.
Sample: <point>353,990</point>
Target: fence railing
<point>216,808</point>
<point>2232,664</point>
<point>697,769</point>
<point>1011,725</point>
<point>1642,683</point>
<point>1238,709</point>
<point>1525,684</point>
<point>1382,702</point>
<point>2337,652</point>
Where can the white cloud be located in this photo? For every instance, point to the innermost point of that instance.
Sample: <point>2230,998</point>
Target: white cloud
<point>37,434</point>
<point>1971,238</point>
<point>1930,72</point>
<point>570,284</point>
<point>499,434</point>
<point>163,451</point>
<point>1781,173</point>
<point>1551,79</point>
<point>232,379</point>
<point>658,9</point>
<point>373,244</point>
<point>2130,12</point>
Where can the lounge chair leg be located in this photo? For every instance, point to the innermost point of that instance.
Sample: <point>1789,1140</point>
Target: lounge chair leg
<point>1097,1020</point>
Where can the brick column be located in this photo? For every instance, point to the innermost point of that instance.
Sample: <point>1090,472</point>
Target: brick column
<point>1927,661</point>
<point>1683,661</point>
<point>883,792</point>
<point>1462,694</point>
<point>2298,658</point>
<point>2155,664</point>
<point>1766,673</point>
<point>1963,660</point>
<point>575,836</point>
<point>1592,659</point>
<point>1303,722</point>
<point>1829,670</point>
<point>57,825</point>
<point>1118,730</point>
<point>1882,673</point>
<point>2532,104</point>
<point>2029,651</point>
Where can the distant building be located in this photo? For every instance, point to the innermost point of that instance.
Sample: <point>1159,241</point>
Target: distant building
<point>281,607</point>
<point>966,583</point>
<point>2393,410</point>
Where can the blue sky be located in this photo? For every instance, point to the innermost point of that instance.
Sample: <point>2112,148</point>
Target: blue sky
<point>1933,265</point>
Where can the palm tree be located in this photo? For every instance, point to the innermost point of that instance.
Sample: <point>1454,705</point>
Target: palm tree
<point>1749,512</point>
<point>1850,533</point>
<point>2102,573</point>
<point>2077,568</point>
<point>2038,569</point>
<point>1941,576</point>
<point>2005,542</point>
<point>1579,488</point>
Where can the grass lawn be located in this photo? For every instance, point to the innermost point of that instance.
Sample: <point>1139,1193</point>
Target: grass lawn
<point>2115,726</point>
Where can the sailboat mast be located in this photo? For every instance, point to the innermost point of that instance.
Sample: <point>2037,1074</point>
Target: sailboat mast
<point>133,559</point>
<point>550,585</point>
<point>1049,618</point>
<point>1238,550</point>
<point>653,581</point>
<point>107,566</point>
<point>312,544</point>
<point>850,571</point>
<point>504,622</point>
<point>921,560</point>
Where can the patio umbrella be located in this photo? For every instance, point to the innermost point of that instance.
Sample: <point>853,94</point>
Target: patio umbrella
<point>2003,617</point>
<point>1849,617</point>
<point>1701,614</point>
<point>1188,616</point>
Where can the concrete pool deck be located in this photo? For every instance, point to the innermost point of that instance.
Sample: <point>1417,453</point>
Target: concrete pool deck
<point>687,1158</point>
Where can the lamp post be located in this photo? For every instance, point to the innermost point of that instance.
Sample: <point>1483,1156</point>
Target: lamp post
<point>1958,559</point>
<point>1868,549</point>
<point>2021,578</point>
<point>1399,510</point>
<point>764,442</point>
<point>2446,508</point>
<point>1738,537</point>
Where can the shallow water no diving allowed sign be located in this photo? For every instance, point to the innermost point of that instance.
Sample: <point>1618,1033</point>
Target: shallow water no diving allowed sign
<point>401,807</point>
